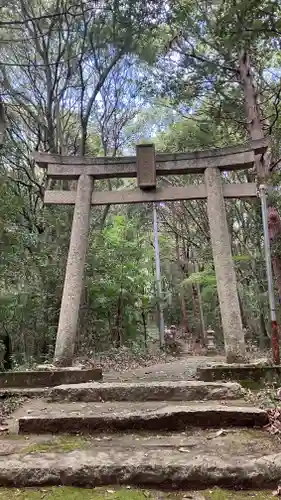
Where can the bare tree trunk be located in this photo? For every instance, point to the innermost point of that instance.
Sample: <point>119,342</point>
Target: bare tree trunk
<point>3,122</point>
<point>262,165</point>
<point>181,292</point>
<point>144,327</point>
<point>201,312</point>
<point>118,326</point>
<point>196,312</point>
<point>264,338</point>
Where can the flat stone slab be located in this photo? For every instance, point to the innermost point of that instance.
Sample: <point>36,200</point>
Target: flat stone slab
<point>245,373</point>
<point>149,467</point>
<point>19,392</point>
<point>75,418</point>
<point>147,391</point>
<point>48,378</point>
<point>232,441</point>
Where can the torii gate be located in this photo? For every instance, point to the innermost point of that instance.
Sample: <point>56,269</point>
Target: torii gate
<point>146,166</point>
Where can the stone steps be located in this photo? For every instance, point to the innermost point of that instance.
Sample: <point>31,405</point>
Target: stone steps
<point>159,434</point>
<point>76,418</point>
<point>144,467</point>
<point>147,391</point>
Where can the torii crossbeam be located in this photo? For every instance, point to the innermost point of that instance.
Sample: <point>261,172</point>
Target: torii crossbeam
<point>146,167</point>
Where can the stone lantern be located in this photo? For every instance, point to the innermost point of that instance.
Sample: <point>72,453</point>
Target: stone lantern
<point>211,346</point>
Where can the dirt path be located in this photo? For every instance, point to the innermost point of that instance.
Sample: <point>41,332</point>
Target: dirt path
<point>182,369</point>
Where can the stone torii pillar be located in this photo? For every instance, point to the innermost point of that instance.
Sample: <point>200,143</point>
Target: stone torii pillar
<point>67,329</point>
<point>70,304</point>
<point>225,273</point>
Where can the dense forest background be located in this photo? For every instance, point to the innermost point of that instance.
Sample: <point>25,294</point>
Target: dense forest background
<point>95,78</point>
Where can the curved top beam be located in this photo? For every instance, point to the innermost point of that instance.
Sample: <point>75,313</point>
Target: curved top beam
<point>230,158</point>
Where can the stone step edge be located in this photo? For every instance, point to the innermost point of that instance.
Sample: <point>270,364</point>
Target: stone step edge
<point>43,378</point>
<point>147,391</point>
<point>235,389</point>
<point>29,392</point>
<point>84,469</point>
<point>170,418</point>
<point>242,372</point>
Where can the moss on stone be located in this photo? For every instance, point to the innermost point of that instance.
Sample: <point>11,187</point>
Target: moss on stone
<point>12,436</point>
<point>63,443</point>
<point>113,493</point>
<point>253,385</point>
<point>219,494</point>
<point>68,493</point>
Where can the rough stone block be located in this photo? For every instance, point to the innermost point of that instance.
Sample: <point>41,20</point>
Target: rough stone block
<point>48,378</point>
<point>168,418</point>
<point>244,373</point>
<point>148,468</point>
<point>147,391</point>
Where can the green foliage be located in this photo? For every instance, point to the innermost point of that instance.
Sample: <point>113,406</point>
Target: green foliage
<point>96,83</point>
<point>119,282</point>
<point>207,278</point>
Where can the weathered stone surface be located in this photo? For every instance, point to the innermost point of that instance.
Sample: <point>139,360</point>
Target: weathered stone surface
<point>19,392</point>
<point>52,367</point>
<point>91,419</point>
<point>147,391</point>
<point>234,342</point>
<point>253,443</point>
<point>241,372</point>
<point>73,282</point>
<point>150,468</point>
<point>48,378</point>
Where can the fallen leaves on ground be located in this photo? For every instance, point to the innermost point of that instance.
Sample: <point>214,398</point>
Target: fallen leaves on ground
<point>274,425</point>
<point>277,493</point>
<point>264,398</point>
<point>278,393</point>
<point>123,359</point>
<point>8,406</point>
<point>221,432</point>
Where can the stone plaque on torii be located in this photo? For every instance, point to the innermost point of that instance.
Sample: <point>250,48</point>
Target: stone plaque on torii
<point>146,166</point>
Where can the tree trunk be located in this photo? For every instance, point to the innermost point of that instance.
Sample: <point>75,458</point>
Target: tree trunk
<point>201,311</point>
<point>144,327</point>
<point>262,165</point>
<point>264,338</point>
<point>181,292</point>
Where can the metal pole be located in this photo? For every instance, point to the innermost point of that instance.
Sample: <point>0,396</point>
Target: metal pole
<point>274,326</point>
<point>158,278</point>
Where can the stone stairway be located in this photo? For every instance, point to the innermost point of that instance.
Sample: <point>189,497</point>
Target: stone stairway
<point>180,434</point>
